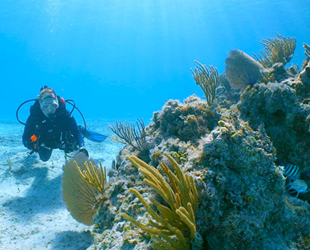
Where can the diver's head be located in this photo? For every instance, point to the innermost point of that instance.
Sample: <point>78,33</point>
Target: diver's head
<point>48,101</point>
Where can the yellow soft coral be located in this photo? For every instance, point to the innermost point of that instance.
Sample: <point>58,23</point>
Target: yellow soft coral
<point>170,227</point>
<point>93,175</point>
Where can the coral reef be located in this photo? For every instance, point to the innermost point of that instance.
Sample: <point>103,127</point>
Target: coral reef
<point>235,150</point>
<point>275,105</point>
<point>302,83</point>
<point>187,121</point>
<point>225,93</point>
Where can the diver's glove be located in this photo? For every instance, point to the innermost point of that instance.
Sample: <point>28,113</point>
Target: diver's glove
<point>84,151</point>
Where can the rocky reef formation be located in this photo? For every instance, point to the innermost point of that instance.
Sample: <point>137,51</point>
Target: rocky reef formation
<point>235,152</point>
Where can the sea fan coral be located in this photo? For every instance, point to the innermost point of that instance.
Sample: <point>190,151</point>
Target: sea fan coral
<point>78,194</point>
<point>242,70</point>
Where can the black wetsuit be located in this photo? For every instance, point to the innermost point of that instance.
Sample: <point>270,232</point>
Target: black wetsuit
<point>58,131</point>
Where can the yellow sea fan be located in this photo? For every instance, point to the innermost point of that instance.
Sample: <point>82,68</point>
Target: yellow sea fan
<point>79,196</point>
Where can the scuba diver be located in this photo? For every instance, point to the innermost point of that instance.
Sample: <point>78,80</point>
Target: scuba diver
<point>51,126</point>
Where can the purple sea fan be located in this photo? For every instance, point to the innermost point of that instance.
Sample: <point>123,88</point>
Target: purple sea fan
<point>242,70</point>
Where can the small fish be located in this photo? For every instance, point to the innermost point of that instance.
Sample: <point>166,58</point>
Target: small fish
<point>292,172</point>
<point>299,186</point>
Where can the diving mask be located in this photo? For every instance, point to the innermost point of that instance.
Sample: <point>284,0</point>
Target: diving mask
<point>48,101</point>
<point>49,106</point>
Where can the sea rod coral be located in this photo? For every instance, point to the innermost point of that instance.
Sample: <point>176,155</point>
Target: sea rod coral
<point>279,49</point>
<point>207,79</point>
<point>168,229</point>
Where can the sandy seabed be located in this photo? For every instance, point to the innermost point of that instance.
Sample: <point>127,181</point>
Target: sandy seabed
<point>33,214</point>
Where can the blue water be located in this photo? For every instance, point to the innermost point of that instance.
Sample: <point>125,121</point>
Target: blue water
<point>121,59</point>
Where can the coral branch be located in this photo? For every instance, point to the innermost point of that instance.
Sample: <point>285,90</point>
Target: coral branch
<point>176,217</point>
<point>276,50</point>
<point>307,50</point>
<point>93,175</point>
<point>207,79</point>
<point>127,133</point>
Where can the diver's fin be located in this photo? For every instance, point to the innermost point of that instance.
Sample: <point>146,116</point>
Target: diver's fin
<point>92,135</point>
